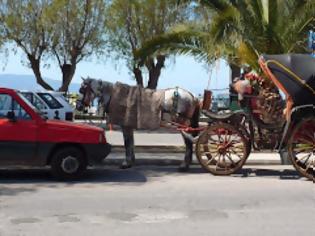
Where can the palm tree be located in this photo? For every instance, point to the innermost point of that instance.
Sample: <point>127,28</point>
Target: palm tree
<point>239,31</point>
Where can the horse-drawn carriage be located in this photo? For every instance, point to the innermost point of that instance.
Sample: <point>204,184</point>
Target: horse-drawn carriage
<point>224,146</point>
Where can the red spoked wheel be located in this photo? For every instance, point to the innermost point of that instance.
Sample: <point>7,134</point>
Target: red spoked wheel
<point>301,147</point>
<point>222,149</point>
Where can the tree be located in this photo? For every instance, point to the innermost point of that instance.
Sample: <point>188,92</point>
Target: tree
<point>78,33</point>
<point>264,26</point>
<point>67,30</point>
<point>240,31</point>
<point>131,23</point>
<point>23,23</point>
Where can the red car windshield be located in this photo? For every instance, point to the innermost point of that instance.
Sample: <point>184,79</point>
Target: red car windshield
<point>30,105</point>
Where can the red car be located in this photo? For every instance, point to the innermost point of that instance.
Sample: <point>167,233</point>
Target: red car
<point>27,138</point>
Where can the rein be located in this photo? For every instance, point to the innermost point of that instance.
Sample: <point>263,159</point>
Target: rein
<point>87,92</point>
<point>174,112</point>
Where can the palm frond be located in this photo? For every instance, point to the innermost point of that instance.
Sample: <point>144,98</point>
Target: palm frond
<point>240,30</point>
<point>182,40</point>
<point>247,55</point>
<point>224,25</point>
<point>215,5</point>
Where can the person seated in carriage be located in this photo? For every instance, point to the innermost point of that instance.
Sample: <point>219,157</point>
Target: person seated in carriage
<point>243,85</point>
<point>258,96</point>
<point>248,83</point>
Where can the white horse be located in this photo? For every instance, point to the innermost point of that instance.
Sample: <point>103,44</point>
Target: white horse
<point>179,106</point>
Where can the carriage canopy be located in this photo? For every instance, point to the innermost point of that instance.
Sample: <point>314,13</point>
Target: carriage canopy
<point>294,74</point>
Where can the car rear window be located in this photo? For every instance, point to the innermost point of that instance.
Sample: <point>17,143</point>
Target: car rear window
<point>50,100</point>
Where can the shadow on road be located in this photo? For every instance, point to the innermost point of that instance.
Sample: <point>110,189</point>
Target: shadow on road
<point>96,175</point>
<point>114,176</point>
<point>283,174</point>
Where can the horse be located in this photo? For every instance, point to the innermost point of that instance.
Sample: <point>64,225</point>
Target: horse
<point>178,103</point>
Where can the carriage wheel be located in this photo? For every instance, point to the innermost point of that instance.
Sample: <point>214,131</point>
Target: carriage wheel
<point>301,148</point>
<point>222,149</point>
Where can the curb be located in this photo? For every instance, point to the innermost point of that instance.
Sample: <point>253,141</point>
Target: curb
<point>148,156</point>
<point>151,149</point>
<point>171,162</point>
<point>164,149</point>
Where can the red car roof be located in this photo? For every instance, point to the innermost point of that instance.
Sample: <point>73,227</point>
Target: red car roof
<point>7,90</point>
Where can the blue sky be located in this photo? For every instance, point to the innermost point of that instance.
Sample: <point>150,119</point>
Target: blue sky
<point>185,72</point>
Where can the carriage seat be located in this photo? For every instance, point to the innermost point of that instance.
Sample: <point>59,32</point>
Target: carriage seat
<point>221,117</point>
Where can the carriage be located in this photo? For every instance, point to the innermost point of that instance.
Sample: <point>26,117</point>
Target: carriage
<point>224,146</point>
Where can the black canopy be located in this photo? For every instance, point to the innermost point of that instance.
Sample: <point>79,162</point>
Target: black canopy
<point>300,87</point>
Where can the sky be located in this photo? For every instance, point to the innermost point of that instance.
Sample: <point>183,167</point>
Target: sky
<point>184,72</point>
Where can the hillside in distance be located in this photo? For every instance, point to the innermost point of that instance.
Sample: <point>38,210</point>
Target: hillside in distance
<point>28,82</point>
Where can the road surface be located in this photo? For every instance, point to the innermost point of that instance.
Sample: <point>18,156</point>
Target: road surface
<point>158,200</point>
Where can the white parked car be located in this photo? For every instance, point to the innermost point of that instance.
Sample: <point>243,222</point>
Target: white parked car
<point>52,104</point>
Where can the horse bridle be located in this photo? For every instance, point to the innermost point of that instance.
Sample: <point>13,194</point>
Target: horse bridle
<point>87,92</point>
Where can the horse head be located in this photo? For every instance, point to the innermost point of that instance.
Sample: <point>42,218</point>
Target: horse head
<point>88,92</point>
<point>94,88</point>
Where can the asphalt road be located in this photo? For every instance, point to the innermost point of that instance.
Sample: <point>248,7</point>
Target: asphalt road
<point>152,200</point>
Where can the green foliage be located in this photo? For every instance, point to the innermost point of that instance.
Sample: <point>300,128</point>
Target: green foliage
<point>253,27</point>
<point>67,30</point>
<point>23,22</point>
<point>185,39</point>
<point>78,29</point>
<point>241,30</point>
<point>131,23</point>
<point>78,33</point>
<point>144,32</point>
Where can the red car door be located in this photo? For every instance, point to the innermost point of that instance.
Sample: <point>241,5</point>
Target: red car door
<point>18,136</point>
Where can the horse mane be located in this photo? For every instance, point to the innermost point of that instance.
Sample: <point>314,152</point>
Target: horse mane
<point>190,93</point>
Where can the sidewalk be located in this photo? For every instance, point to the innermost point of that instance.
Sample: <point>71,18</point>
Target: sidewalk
<point>145,141</point>
<point>162,148</point>
<point>165,159</point>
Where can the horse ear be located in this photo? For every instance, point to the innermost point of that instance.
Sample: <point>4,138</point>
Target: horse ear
<point>83,79</point>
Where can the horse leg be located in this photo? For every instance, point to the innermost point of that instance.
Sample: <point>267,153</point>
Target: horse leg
<point>129,147</point>
<point>184,166</point>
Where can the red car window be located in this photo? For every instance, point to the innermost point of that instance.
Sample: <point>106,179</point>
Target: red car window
<point>7,103</point>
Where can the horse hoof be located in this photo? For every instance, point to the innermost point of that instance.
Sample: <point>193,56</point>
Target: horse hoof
<point>125,165</point>
<point>183,168</point>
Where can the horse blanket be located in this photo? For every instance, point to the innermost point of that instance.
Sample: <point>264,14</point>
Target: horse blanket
<point>135,107</point>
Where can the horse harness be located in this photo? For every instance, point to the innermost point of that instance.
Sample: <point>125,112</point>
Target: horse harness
<point>175,113</point>
<point>87,92</point>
